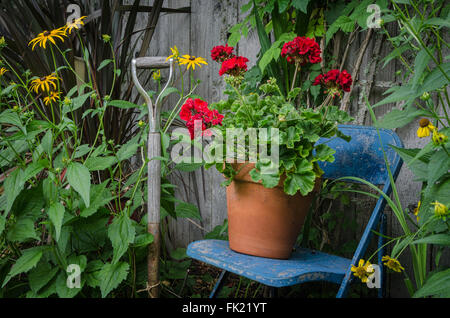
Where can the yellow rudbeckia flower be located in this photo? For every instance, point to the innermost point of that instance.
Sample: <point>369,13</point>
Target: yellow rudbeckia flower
<point>52,97</point>
<point>392,263</point>
<point>3,71</point>
<point>426,127</point>
<point>156,75</point>
<point>74,24</point>
<point>44,83</point>
<point>175,53</point>
<point>45,36</point>
<point>363,270</point>
<point>192,61</point>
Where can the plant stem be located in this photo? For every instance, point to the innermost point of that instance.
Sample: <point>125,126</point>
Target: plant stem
<point>297,68</point>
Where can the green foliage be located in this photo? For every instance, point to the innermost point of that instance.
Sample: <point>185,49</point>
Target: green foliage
<point>105,67</point>
<point>299,130</point>
<point>66,202</point>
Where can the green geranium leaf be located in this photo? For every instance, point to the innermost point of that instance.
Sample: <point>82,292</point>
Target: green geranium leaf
<point>324,153</point>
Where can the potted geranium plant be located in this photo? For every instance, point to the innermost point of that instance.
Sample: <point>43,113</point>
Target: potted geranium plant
<point>269,195</point>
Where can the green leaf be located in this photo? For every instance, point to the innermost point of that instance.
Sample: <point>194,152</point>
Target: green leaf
<point>47,142</point>
<point>99,163</point>
<point>435,79</point>
<point>13,185</point>
<point>302,180</point>
<point>78,101</point>
<point>188,167</point>
<point>61,286</point>
<point>324,153</point>
<point>168,91</point>
<point>121,233</point>
<point>437,239</point>
<point>439,22</point>
<point>420,63</point>
<point>437,283</point>
<point>56,215</point>
<point>30,257</point>
<point>418,167</point>
<point>100,196</point>
<point>34,168</point>
<point>79,178</point>
<point>122,104</point>
<point>178,254</point>
<point>438,166</point>
<point>129,149</point>
<point>11,117</point>
<point>301,5</point>
<point>398,118</point>
<point>187,210</point>
<point>399,93</point>
<point>104,63</point>
<point>81,151</point>
<point>143,240</point>
<point>2,223</point>
<point>22,230</point>
<point>92,273</point>
<point>41,275</point>
<point>111,275</point>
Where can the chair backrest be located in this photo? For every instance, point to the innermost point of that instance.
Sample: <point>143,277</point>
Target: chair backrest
<point>362,156</point>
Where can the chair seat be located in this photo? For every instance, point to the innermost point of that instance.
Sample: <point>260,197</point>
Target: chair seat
<point>304,264</point>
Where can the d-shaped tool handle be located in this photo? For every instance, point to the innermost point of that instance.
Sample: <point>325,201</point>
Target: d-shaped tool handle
<point>155,62</point>
<point>152,62</point>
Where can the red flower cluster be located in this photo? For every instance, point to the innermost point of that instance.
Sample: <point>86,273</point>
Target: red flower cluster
<point>334,81</point>
<point>196,112</point>
<point>302,50</point>
<point>221,53</point>
<point>231,64</point>
<point>234,66</point>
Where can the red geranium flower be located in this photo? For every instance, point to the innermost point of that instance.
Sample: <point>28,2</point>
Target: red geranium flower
<point>335,81</point>
<point>197,115</point>
<point>345,80</point>
<point>302,50</point>
<point>235,66</point>
<point>221,53</point>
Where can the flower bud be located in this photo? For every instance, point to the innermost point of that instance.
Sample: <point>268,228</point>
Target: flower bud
<point>425,96</point>
<point>106,38</point>
<point>439,138</point>
<point>440,210</point>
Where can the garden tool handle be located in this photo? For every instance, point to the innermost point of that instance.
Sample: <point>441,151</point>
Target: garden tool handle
<point>152,62</point>
<point>154,111</point>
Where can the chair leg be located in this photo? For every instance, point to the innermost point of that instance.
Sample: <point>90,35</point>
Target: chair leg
<point>219,284</point>
<point>270,292</point>
<point>383,225</point>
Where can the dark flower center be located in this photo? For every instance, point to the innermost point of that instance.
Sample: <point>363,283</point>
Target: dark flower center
<point>424,122</point>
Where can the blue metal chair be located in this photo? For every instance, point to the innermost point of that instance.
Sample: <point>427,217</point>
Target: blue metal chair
<point>361,157</point>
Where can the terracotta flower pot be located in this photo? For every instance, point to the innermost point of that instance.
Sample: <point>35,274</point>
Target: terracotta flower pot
<point>264,222</point>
